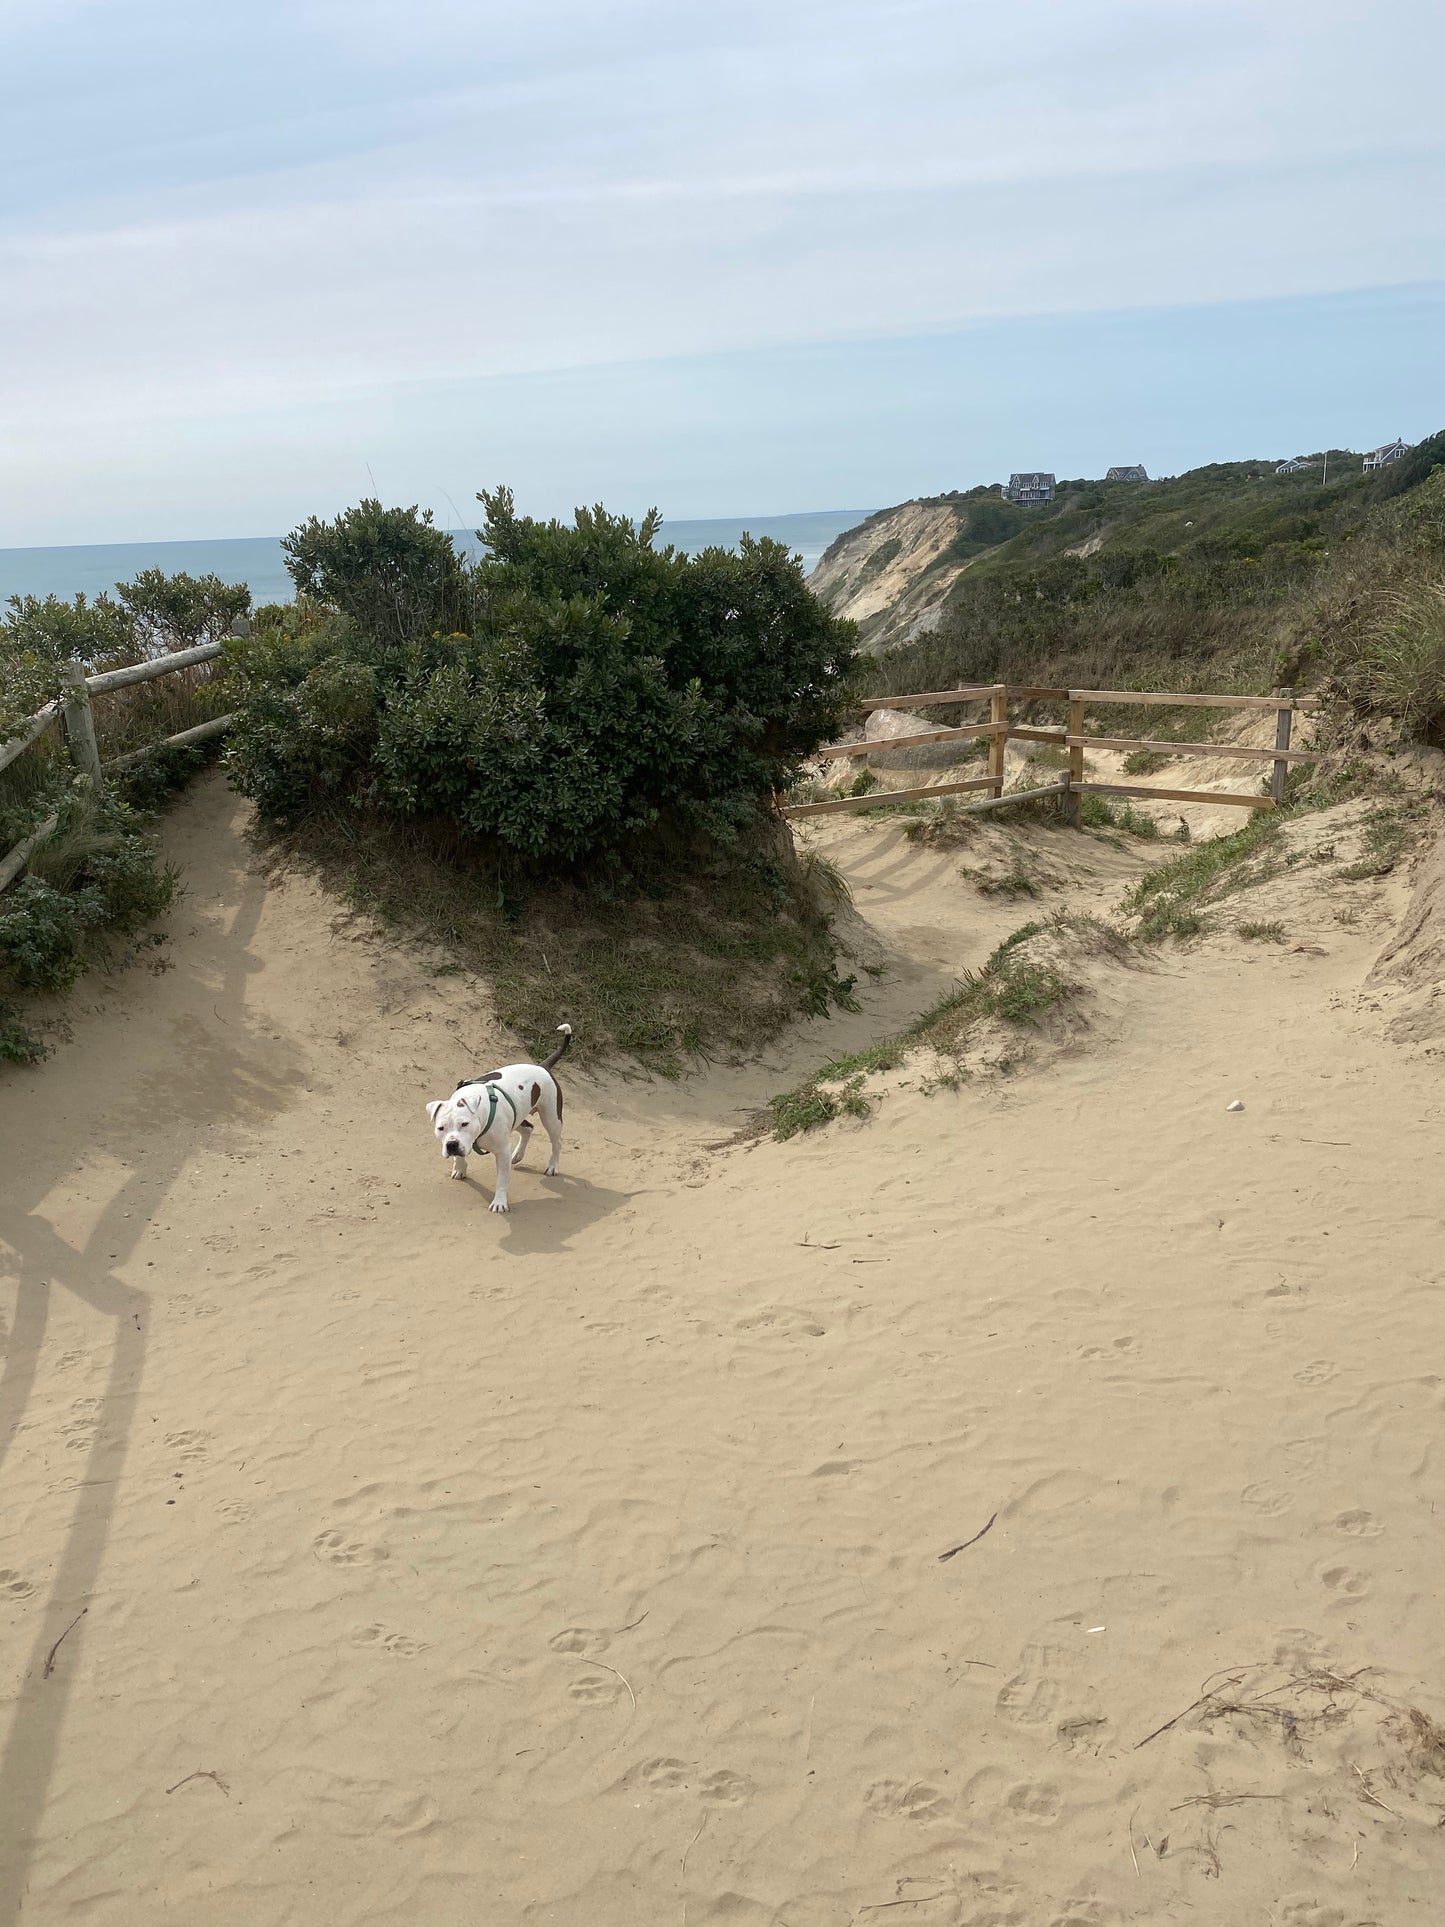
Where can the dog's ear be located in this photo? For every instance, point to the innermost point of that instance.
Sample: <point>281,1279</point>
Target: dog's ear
<point>434,1107</point>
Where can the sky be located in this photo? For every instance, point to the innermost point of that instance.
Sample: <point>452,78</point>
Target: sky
<point>726,256</point>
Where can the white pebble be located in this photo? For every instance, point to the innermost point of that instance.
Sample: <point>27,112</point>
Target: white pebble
<point>1235,1106</point>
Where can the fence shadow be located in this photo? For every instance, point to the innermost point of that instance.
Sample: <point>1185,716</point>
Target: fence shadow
<point>215,1072</point>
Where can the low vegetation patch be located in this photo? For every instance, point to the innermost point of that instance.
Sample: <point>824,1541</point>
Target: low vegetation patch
<point>663,963</point>
<point>1173,899</point>
<point>1015,882</point>
<point>1260,932</point>
<point>1013,986</point>
<point>1144,762</point>
<point>1386,835</point>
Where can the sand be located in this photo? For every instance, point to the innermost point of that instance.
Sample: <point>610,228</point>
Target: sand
<point>595,1566</point>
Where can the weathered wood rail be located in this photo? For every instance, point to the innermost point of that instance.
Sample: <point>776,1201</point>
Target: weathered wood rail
<point>1073,737</point>
<point>72,709</point>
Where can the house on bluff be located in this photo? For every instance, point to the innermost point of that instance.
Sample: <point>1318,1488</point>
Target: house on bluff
<point>1126,474</point>
<point>1030,490</point>
<point>1293,467</point>
<point>1388,452</point>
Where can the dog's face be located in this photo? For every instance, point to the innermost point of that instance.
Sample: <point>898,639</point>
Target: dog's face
<point>457,1124</point>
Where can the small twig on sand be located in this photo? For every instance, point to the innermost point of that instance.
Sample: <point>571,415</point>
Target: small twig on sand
<point>201,1773</point>
<point>632,1622</point>
<point>50,1657</point>
<point>1357,1853</point>
<point>1372,1796</point>
<point>613,1670</point>
<point>1222,1800</point>
<point>882,1906</point>
<point>1202,1700</point>
<point>1132,1855</point>
<point>954,1550</point>
<point>689,1847</point>
<point>806,1244</point>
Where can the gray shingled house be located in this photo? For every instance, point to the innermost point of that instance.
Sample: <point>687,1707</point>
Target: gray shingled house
<point>1030,490</point>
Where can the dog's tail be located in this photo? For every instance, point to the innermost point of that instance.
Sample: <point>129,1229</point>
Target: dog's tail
<point>549,1063</point>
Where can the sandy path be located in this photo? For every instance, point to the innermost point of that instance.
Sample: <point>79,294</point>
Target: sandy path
<point>584,1568</point>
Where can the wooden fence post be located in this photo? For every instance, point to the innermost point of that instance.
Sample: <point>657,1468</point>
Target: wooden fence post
<point>79,723</point>
<point>998,744</point>
<point>1076,759</point>
<point>1281,741</point>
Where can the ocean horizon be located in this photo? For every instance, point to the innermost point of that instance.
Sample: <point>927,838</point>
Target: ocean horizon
<point>87,568</point>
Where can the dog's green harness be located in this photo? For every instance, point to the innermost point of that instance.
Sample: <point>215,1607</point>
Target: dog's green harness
<point>494,1091</point>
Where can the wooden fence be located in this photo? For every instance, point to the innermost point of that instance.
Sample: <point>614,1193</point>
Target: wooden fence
<point>1073,737</point>
<point>73,710</point>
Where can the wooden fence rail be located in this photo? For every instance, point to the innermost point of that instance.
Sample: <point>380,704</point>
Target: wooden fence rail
<point>1075,739</point>
<point>73,708</point>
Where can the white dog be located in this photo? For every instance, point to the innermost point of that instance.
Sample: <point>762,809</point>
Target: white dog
<point>493,1113</point>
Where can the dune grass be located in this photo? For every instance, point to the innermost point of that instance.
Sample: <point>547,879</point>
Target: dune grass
<point>1011,986</point>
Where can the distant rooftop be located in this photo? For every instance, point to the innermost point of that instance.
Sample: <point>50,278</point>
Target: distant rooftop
<point>1127,474</point>
<point>1386,453</point>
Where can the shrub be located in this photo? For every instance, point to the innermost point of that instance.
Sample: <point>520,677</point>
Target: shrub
<point>389,570</point>
<point>603,695</point>
<point>96,879</point>
<point>169,612</point>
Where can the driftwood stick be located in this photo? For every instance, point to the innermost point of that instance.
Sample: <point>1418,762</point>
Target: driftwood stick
<point>50,1657</point>
<point>953,1551</point>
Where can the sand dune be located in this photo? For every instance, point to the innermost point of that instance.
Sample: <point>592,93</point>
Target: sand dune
<point>595,1567</point>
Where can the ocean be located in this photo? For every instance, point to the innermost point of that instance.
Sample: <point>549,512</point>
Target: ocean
<point>256,560</point>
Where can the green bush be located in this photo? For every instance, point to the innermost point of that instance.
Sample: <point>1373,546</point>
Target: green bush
<point>602,694</point>
<point>96,879</point>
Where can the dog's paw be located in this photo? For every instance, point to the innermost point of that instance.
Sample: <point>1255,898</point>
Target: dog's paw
<point>500,1204</point>
<point>459,1169</point>
<point>552,1169</point>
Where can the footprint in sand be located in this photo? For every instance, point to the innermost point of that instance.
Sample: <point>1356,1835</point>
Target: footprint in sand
<point>189,1446</point>
<point>1347,1581</point>
<point>907,1800</point>
<point>784,1320</point>
<point>79,1428</point>
<point>1302,1912</point>
<point>665,1775</point>
<point>411,1816</point>
<point>1085,1734</point>
<point>338,1550</point>
<point>236,1511</point>
<point>725,1788</point>
<point>1033,1696</point>
<point>1269,1499</point>
<point>595,1689</point>
<point>1357,1524</point>
<point>579,1639</point>
<point>1085,1912</point>
<point>1121,1348</point>
<point>397,1644</point>
<point>14,1585</point>
<point>1035,1802</point>
<point>1318,1372</point>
